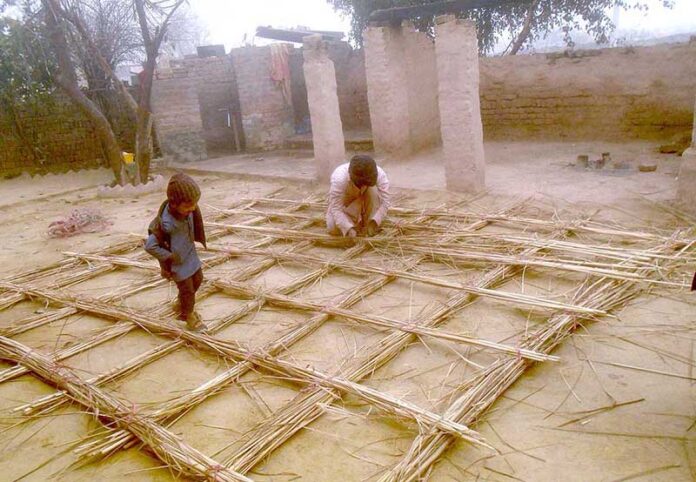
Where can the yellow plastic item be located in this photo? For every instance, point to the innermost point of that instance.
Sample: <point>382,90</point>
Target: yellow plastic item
<point>127,157</point>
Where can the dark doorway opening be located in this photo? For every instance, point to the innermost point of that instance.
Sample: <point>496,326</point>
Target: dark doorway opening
<point>221,119</point>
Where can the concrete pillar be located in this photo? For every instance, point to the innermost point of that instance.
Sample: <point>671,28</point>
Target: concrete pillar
<point>322,97</point>
<point>456,50</point>
<point>387,90</point>
<point>686,190</point>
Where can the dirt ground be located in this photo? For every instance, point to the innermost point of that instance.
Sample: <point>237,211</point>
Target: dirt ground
<point>546,169</point>
<point>619,405</point>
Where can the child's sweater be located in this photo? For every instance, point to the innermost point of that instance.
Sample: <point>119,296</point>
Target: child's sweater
<point>182,253</point>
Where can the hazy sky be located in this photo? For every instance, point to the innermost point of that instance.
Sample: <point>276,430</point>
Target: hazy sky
<point>229,20</point>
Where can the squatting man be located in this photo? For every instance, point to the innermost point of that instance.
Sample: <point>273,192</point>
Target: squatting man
<point>358,198</point>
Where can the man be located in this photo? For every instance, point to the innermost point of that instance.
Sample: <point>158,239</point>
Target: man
<point>358,198</point>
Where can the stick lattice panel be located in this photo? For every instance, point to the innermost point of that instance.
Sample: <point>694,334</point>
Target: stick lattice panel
<point>462,258</point>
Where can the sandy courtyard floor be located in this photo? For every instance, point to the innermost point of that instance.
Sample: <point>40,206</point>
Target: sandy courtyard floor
<point>342,361</point>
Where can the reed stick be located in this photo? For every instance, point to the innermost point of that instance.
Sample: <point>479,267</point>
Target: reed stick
<point>351,296</point>
<point>307,407</point>
<point>471,404</point>
<point>170,448</point>
<point>380,321</point>
<point>592,227</point>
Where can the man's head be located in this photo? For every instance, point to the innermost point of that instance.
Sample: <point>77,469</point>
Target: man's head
<point>363,171</point>
<point>183,194</point>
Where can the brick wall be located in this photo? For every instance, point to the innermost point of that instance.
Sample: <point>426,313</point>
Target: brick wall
<point>177,110</point>
<point>192,97</point>
<point>267,117</point>
<point>613,94</point>
<point>61,137</point>
<point>351,86</point>
<point>189,93</point>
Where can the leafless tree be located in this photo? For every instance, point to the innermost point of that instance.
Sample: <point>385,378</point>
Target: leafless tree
<point>153,18</point>
<point>66,78</point>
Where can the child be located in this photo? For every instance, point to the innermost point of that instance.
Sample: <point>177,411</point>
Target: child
<point>358,198</point>
<point>172,234</point>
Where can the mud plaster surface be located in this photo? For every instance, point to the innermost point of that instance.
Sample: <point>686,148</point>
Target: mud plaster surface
<point>654,436</point>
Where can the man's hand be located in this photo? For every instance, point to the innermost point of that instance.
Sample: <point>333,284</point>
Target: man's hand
<point>372,228</point>
<point>352,233</point>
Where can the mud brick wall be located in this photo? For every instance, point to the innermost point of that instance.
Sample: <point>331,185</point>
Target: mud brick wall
<point>351,86</point>
<point>55,138</point>
<point>175,102</point>
<point>611,94</point>
<point>267,117</point>
<point>217,97</point>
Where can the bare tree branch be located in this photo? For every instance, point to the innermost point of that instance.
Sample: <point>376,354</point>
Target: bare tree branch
<point>79,25</point>
<point>67,80</point>
<point>526,29</point>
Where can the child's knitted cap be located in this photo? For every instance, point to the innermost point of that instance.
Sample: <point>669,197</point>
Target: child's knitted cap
<point>182,189</point>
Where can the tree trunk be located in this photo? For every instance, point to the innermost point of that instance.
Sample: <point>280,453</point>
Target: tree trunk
<point>102,127</point>
<point>143,140</point>
<point>526,29</point>
<point>67,80</point>
<point>143,145</point>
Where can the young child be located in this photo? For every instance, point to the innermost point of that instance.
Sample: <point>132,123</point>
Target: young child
<point>358,198</point>
<point>171,240</point>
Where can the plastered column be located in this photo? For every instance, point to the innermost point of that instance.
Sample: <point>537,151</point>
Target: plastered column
<point>387,90</point>
<point>686,190</point>
<point>322,97</point>
<point>461,129</point>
